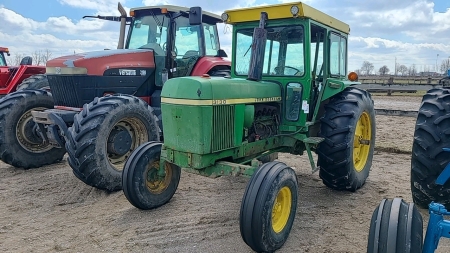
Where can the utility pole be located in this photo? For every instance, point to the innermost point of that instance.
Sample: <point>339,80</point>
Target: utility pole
<point>437,56</point>
<point>395,67</point>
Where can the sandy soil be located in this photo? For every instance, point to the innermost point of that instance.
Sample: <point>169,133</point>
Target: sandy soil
<point>49,210</point>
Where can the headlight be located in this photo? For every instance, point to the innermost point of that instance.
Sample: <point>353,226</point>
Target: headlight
<point>294,10</point>
<point>224,16</point>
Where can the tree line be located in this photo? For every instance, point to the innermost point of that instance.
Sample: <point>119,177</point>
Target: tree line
<point>39,57</point>
<point>368,68</point>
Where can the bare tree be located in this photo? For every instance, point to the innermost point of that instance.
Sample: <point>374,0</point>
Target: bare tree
<point>366,68</point>
<point>383,70</point>
<point>402,69</point>
<point>46,56</point>
<point>445,65</point>
<point>9,60</point>
<point>37,57</point>
<point>17,59</point>
<point>412,71</point>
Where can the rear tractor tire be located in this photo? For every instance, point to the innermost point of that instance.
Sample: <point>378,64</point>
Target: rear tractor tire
<point>103,136</point>
<point>348,126</point>
<point>396,226</point>
<point>431,135</point>
<point>21,144</point>
<point>142,185</point>
<point>268,207</point>
<point>38,81</point>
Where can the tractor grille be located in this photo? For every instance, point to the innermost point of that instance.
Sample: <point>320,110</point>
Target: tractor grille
<point>223,127</point>
<point>64,90</point>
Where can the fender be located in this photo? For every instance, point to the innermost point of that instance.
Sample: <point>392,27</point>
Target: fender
<point>205,64</point>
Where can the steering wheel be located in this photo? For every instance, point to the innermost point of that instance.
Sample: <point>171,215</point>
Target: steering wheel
<point>164,46</point>
<point>297,70</point>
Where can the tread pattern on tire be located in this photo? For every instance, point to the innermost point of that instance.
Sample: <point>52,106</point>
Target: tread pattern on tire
<point>395,226</point>
<point>428,160</point>
<point>38,81</point>
<point>255,192</point>
<point>10,150</point>
<point>337,127</point>
<point>87,163</point>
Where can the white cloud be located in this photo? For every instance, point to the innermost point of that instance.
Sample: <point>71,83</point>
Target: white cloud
<point>103,7</point>
<point>412,32</point>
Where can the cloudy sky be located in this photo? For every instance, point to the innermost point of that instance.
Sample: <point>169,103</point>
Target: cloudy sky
<point>382,32</point>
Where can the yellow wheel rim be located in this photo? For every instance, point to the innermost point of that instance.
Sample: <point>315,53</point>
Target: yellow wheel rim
<point>155,184</point>
<point>281,209</point>
<point>361,142</point>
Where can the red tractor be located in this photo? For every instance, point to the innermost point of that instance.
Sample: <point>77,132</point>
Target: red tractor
<point>13,78</point>
<point>107,103</point>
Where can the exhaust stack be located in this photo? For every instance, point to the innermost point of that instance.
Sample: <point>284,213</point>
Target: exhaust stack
<point>258,48</point>
<point>123,19</point>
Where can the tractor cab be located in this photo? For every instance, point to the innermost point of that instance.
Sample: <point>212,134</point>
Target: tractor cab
<point>178,36</point>
<point>304,51</point>
<point>3,50</point>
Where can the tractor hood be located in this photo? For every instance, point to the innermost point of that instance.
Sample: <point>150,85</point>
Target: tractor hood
<point>218,90</point>
<point>97,62</point>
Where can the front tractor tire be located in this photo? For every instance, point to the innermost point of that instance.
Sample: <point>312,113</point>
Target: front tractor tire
<point>268,207</point>
<point>348,126</point>
<point>21,144</point>
<point>396,226</point>
<point>103,136</point>
<point>428,160</point>
<point>144,185</point>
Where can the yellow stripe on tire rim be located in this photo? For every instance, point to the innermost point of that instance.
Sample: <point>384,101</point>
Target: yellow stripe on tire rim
<point>361,142</point>
<point>281,209</point>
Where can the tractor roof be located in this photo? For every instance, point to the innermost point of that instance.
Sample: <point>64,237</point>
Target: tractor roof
<point>176,8</point>
<point>280,11</point>
<point>4,49</point>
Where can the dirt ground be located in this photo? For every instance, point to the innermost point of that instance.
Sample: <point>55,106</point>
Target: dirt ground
<point>49,210</point>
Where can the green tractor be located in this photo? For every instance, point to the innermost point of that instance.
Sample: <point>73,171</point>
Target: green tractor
<point>288,92</point>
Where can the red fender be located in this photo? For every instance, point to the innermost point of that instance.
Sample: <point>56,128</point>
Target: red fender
<point>207,63</point>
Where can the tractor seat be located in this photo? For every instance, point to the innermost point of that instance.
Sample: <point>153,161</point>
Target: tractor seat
<point>190,53</point>
<point>27,60</point>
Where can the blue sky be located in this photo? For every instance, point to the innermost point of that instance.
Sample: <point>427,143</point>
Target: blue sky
<point>382,32</point>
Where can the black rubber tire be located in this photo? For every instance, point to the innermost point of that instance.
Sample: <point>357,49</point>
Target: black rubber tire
<point>338,127</point>
<point>38,81</point>
<point>135,175</point>
<point>428,160</point>
<point>87,143</point>
<point>395,227</point>
<point>13,107</point>
<point>256,207</point>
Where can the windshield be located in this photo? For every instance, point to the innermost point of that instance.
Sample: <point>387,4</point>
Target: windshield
<point>284,54</point>
<point>151,31</point>
<point>2,59</point>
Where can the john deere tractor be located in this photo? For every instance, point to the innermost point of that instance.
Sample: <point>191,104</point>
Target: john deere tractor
<point>106,103</point>
<point>288,92</point>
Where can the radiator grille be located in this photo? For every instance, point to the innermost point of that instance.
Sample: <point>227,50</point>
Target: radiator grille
<point>64,91</point>
<point>223,127</point>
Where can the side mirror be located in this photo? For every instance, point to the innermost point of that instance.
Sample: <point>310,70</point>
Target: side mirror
<point>195,15</point>
<point>221,53</point>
